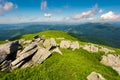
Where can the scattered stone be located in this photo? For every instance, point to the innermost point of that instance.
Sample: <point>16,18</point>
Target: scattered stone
<point>112,60</point>
<point>75,45</point>
<point>95,76</point>
<point>105,50</point>
<point>91,48</point>
<point>65,44</point>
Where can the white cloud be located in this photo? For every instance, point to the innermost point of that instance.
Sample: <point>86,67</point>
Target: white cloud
<point>47,15</point>
<point>110,16</point>
<point>8,6</point>
<point>43,5</point>
<point>86,14</point>
<point>100,11</point>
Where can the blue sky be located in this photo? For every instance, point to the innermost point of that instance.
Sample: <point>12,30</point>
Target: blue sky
<point>19,11</point>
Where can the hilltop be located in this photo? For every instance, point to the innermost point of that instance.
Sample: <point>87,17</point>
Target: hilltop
<point>71,65</point>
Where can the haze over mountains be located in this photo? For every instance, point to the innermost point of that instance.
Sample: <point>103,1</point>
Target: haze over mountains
<point>103,33</point>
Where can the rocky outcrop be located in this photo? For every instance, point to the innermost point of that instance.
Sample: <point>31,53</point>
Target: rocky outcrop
<point>95,76</point>
<point>7,53</point>
<point>33,53</point>
<point>26,53</point>
<point>36,51</point>
<point>113,61</point>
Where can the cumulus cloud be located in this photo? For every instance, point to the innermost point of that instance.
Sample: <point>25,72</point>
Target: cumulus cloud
<point>110,16</point>
<point>8,6</point>
<point>47,15</point>
<point>44,5</point>
<point>86,14</point>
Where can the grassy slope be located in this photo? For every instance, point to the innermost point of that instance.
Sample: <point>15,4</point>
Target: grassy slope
<point>72,65</point>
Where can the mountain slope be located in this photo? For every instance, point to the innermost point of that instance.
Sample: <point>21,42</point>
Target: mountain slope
<point>72,65</point>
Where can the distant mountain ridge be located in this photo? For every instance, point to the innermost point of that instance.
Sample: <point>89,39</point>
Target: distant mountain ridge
<point>105,33</point>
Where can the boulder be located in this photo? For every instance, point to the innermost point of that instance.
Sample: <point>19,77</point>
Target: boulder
<point>11,47</point>
<point>26,53</point>
<point>95,76</point>
<point>112,60</point>
<point>91,48</point>
<point>40,56</point>
<point>65,44</point>
<point>28,48</point>
<point>3,56</point>
<point>94,49</point>
<point>75,45</point>
<point>105,50</point>
<point>49,43</point>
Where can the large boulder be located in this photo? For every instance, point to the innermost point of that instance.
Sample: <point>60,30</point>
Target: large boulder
<point>49,43</point>
<point>3,56</point>
<point>75,45</point>
<point>11,47</point>
<point>95,76</point>
<point>25,55</point>
<point>65,44</point>
<point>7,53</point>
<point>112,60</point>
<point>40,56</point>
<point>28,48</point>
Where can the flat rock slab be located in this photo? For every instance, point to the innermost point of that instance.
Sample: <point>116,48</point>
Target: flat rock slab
<point>112,60</point>
<point>95,76</point>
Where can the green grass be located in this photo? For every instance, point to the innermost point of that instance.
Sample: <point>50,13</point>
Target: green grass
<point>72,65</point>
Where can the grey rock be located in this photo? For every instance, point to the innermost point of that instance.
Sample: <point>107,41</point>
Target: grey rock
<point>40,56</point>
<point>5,66</point>
<point>3,56</point>
<point>106,50</point>
<point>65,44</point>
<point>28,48</point>
<point>95,76</point>
<point>11,47</point>
<point>27,52</point>
<point>75,45</point>
<point>91,48</point>
<point>112,60</point>
<point>49,43</point>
